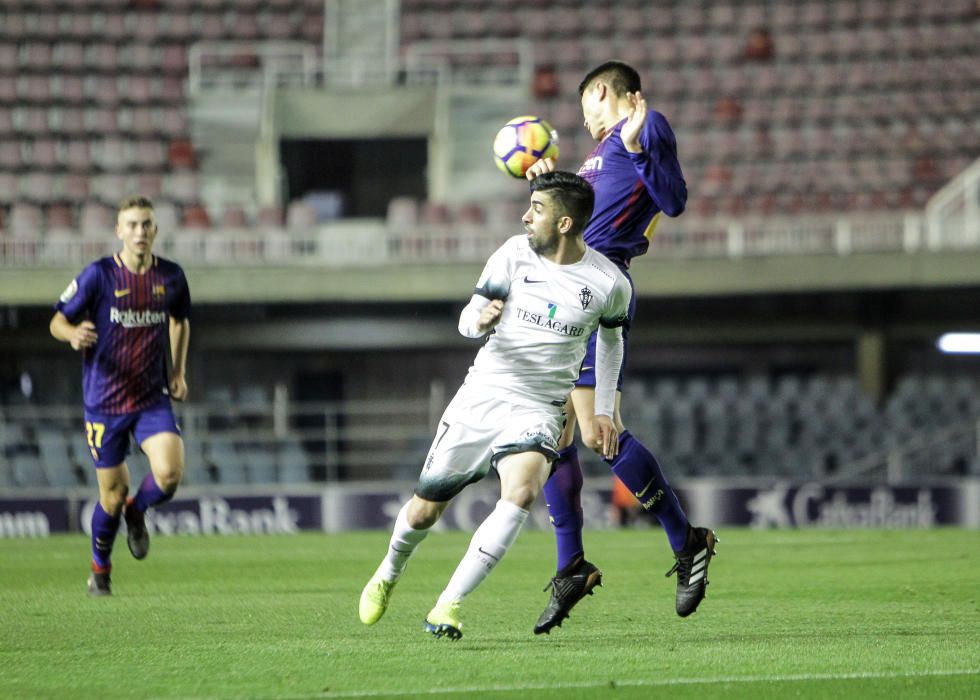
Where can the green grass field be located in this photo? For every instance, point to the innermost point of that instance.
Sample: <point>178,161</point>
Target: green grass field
<point>813,613</point>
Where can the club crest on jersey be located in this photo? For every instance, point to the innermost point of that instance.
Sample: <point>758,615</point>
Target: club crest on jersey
<point>159,290</point>
<point>585,296</point>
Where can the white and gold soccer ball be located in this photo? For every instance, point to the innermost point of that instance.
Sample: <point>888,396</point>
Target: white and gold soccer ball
<point>522,142</point>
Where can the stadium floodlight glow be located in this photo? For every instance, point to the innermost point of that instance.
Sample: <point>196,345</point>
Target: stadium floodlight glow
<point>962,343</point>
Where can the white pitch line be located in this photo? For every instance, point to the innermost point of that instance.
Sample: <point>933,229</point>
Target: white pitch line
<point>637,684</point>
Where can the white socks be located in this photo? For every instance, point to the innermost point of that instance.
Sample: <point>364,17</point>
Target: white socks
<point>489,544</point>
<point>404,540</point>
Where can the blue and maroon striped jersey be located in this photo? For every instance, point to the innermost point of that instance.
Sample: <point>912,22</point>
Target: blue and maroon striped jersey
<point>631,189</point>
<point>126,369</point>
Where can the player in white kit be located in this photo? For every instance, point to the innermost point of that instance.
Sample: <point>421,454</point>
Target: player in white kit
<point>539,298</point>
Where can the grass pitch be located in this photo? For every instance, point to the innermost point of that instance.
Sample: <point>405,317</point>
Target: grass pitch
<point>809,613</point>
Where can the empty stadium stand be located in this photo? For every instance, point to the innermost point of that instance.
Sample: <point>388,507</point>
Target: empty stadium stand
<point>854,106</point>
<point>780,108</point>
<point>93,102</point>
<point>847,106</point>
<point>789,426</point>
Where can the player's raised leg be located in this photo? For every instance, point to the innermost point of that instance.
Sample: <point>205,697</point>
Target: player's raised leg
<point>640,471</point>
<point>576,577</point>
<point>489,543</point>
<point>113,487</point>
<point>412,525</point>
<point>691,567</point>
<point>522,476</point>
<point>165,452</point>
<point>563,495</point>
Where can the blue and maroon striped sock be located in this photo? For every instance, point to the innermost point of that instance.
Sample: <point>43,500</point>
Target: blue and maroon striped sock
<point>104,529</point>
<point>150,494</point>
<point>563,494</point>
<point>639,470</point>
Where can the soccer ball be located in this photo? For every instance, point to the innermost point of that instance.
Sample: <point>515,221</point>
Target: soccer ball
<point>522,142</point>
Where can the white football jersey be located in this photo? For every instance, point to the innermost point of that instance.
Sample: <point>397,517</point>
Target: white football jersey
<point>536,350</point>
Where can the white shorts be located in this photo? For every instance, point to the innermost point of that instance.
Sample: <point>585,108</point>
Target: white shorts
<point>475,432</point>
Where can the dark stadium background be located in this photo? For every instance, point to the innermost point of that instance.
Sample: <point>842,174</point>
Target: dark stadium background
<point>323,173</point>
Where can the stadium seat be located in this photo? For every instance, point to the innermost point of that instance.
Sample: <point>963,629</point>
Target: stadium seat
<point>172,122</point>
<point>228,463</point>
<point>109,187</point>
<point>95,220</point>
<point>36,57</point>
<point>44,154</point>
<point>233,216</point>
<point>402,213</point>
<point>196,465</point>
<point>78,158</point>
<point>181,155</point>
<point>181,187</point>
<point>195,216</point>
<point>26,220</point>
<point>71,90</point>
<point>6,477</point>
<point>102,121</point>
<point>38,188</point>
<point>150,156</point>
<point>58,244</point>
<point>27,471</point>
<point>253,396</point>
<point>293,463</point>
<point>68,56</point>
<point>8,187</point>
<point>59,216</point>
<point>434,214</point>
<point>260,464</point>
<point>11,155</point>
<point>101,58</point>
<point>269,217</point>
<point>113,154</point>
<point>300,216</point>
<point>167,215</point>
<point>58,467</point>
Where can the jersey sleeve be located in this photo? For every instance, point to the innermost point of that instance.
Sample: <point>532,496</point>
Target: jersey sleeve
<point>81,294</point>
<point>658,167</point>
<point>180,307</point>
<point>494,282</point>
<point>608,364</point>
<point>616,311</point>
<point>470,316</point>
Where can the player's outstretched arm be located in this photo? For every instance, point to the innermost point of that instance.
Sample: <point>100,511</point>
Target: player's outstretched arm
<point>544,165</point>
<point>180,338</point>
<point>79,336</point>
<point>630,132</point>
<point>649,139</point>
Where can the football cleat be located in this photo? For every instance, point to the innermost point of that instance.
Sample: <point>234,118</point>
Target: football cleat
<point>443,621</point>
<point>374,599</point>
<point>566,591</point>
<point>691,568</point>
<point>137,536</point>
<point>99,583</point>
